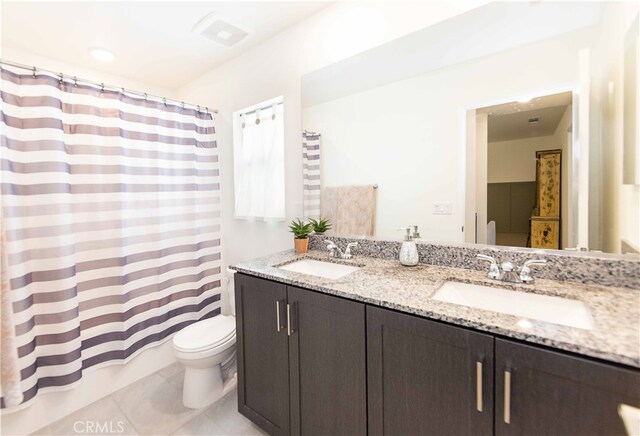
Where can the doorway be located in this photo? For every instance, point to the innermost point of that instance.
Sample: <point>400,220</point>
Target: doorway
<point>526,183</point>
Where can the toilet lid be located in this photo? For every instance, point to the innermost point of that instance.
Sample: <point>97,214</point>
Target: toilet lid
<point>206,333</point>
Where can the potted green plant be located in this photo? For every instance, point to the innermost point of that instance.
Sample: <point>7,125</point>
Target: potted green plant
<point>320,226</point>
<point>301,233</point>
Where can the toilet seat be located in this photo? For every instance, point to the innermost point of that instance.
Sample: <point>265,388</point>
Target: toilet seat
<point>218,333</point>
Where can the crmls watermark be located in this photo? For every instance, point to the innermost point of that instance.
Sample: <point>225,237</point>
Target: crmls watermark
<point>101,427</point>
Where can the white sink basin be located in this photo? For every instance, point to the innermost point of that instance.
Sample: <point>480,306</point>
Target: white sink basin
<point>318,268</point>
<point>545,308</point>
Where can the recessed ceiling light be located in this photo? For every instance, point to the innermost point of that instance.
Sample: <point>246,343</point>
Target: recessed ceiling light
<point>223,34</point>
<point>102,54</point>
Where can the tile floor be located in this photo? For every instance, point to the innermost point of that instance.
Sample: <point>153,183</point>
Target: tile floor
<point>153,406</point>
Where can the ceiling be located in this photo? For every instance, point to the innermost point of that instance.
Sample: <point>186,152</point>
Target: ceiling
<point>153,41</point>
<point>511,120</point>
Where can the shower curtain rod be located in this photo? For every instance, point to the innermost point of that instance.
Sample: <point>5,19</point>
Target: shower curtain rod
<point>75,79</point>
<point>261,108</point>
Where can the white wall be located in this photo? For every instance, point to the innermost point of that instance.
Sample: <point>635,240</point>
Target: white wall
<point>382,137</point>
<point>405,137</point>
<point>100,382</point>
<point>47,63</point>
<point>620,203</point>
<point>479,211</point>
<point>274,68</point>
<point>515,160</point>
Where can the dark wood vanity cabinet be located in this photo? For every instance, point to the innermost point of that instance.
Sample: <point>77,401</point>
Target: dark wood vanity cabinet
<point>327,365</point>
<point>426,377</point>
<point>543,392</point>
<point>315,364</point>
<point>262,353</point>
<point>301,360</point>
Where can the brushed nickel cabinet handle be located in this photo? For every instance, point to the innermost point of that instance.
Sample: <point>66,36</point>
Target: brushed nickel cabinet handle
<point>507,397</point>
<point>479,386</point>
<point>289,319</point>
<point>278,315</point>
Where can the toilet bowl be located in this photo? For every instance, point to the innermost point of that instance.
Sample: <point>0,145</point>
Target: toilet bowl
<point>207,349</point>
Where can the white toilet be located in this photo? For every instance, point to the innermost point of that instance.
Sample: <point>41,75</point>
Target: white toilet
<point>207,349</point>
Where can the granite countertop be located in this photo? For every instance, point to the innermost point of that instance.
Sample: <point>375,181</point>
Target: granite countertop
<point>385,283</point>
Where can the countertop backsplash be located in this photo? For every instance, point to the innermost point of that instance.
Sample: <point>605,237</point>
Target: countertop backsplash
<point>578,267</point>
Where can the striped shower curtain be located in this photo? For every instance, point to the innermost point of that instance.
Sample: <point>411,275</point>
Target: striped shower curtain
<point>311,174</point>
<point>111,224</point>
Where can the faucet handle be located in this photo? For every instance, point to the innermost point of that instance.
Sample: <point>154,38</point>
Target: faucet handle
<point>525,271</point>
<point>494,271</point>
<point>347,251</point>
<point>530,262</point>
<point>486,258</point>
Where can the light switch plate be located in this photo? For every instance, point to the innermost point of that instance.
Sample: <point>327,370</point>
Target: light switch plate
<point>442,208</point>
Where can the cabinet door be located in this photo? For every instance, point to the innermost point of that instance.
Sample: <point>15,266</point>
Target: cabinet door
<point>427,378</point>
<point>327,364</point>
<point>262,350</point>
<point>541,392</point>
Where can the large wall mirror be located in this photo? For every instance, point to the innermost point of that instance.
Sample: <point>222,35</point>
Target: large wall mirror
<point>503,126</point>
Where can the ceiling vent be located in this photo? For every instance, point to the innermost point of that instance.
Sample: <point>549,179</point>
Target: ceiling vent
<point>534,120</point>
<point>218,30</point>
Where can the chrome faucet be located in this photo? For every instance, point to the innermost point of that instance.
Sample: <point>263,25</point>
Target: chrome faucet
<point>336,252</point>
<point>508,274</point>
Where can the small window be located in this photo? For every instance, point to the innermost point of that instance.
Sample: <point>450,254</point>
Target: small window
<point>258,161</point>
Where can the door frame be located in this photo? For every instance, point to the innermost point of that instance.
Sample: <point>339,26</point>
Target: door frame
<point>473,170</point>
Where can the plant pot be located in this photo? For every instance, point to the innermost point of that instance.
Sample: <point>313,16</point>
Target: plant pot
<point>302,245</point>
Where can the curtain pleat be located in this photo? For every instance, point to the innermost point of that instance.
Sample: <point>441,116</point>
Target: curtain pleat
<point>9,367</point>
<point>111,224</point>
<point>311,174</point>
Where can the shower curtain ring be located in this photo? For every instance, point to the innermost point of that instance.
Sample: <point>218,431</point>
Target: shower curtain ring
<point>164,100</point>
<point>183,105</point>
<point>34,72</point>
<point>61,78</point>
<point>75,81</point>
<point>198,108</point>
<point>145,96</point>
<point>102,87</point>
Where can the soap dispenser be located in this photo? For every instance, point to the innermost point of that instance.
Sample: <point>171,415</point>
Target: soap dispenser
<point>416,234</point>
<point>409,250</point>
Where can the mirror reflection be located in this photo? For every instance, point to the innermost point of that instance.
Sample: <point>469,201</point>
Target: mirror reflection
<point>528,149</point>
<point>510,134</point>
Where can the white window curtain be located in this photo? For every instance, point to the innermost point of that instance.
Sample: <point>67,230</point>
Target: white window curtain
<point>259,163</point>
